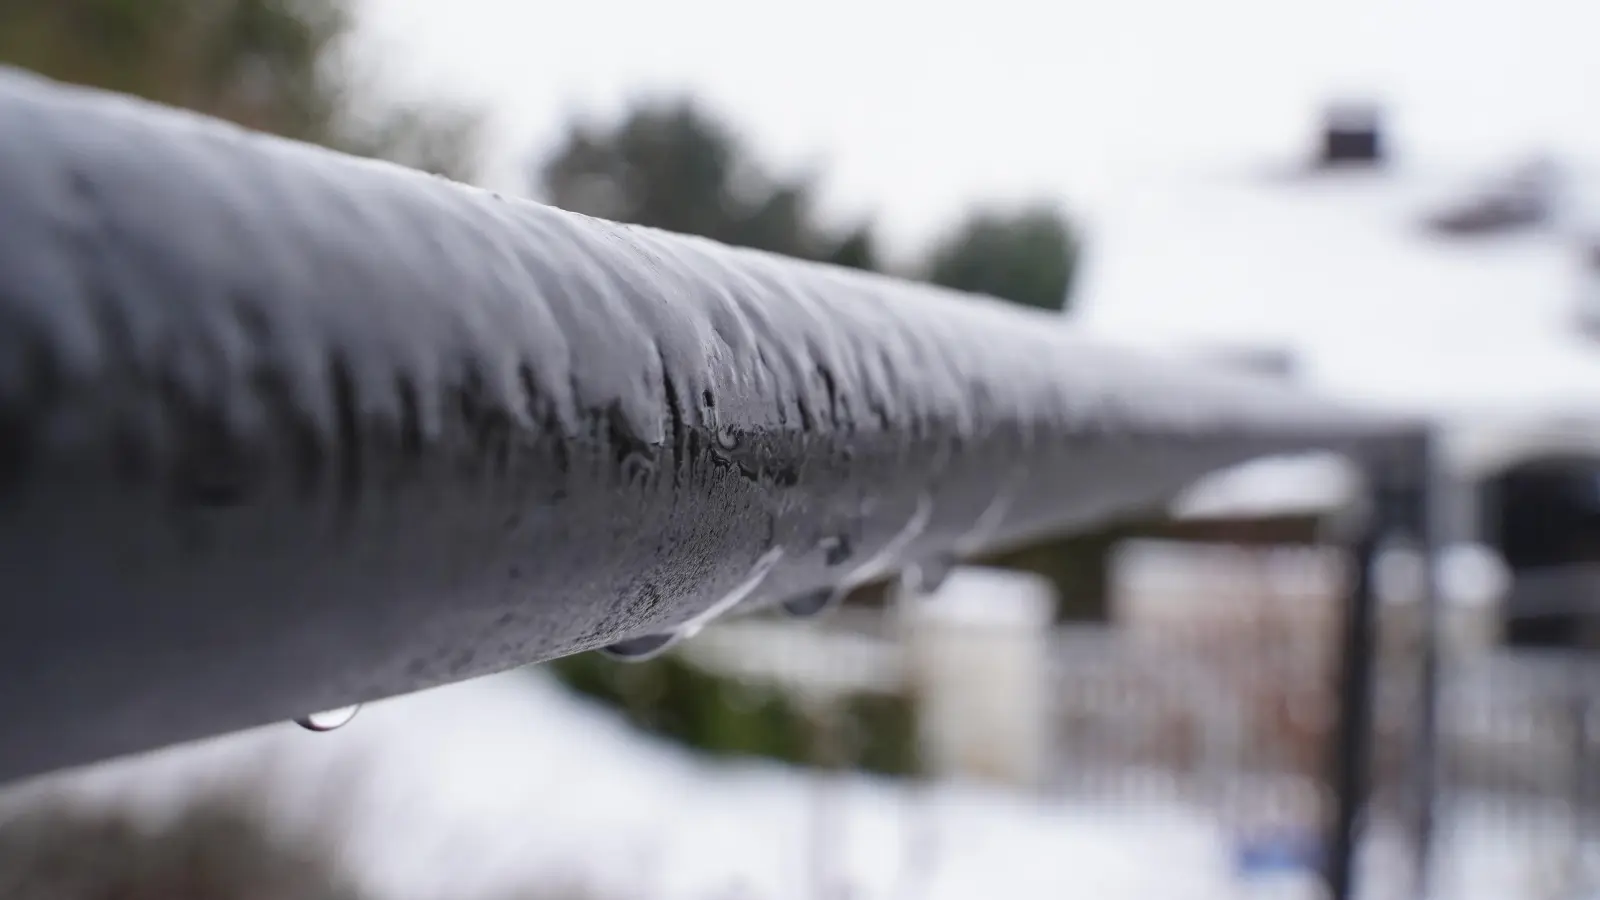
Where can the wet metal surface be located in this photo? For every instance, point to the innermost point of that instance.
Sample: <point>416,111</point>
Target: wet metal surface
<point>284,431</point>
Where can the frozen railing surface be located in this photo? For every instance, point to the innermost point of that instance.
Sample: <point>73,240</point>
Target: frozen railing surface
<point>284,430</point>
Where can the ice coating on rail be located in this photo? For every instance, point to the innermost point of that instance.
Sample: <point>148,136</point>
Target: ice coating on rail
<point>286,430</point>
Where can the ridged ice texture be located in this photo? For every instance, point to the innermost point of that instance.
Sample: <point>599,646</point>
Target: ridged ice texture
<point>282,430</point>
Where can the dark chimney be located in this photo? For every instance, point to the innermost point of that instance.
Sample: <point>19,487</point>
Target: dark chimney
<point>1352,135</point>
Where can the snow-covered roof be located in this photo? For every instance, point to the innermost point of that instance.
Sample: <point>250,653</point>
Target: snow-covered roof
<point>1473,448</point>
<point>1281,485</point>
<point>1341,270</point>
<point>1455,292</point>
<point>1450,291</point>
<point>1478,449</point>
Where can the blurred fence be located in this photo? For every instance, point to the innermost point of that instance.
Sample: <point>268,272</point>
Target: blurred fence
<point>1521,773</point>
<point>1236,726</point>
<point>1189,721</point>
<point>1519,747</point>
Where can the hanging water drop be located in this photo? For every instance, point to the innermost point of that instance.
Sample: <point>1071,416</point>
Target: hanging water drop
<point>835,550</point>
<point>640,648</point>
<point>927,576</point>
<point>988,522</point>
<point>727,438</point>
<point>812,604</point>
<point>637,468</point>
<point>646,646</point>
<point>329,719</point>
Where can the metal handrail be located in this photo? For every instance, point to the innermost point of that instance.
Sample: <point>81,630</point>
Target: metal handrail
<point>285,430</point>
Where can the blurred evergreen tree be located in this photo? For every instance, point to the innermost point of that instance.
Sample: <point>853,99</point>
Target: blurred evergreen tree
<point>1026,257</point>
<point>671,165</point>
<point>279,66</point>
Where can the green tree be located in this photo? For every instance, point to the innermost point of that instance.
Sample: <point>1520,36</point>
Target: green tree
<point>279,66</point>
<point>1026,257</point>
<point>671,165</point>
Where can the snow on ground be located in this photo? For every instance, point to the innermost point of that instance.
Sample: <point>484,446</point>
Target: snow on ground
<point>484,787</point>
<point>505,783</point>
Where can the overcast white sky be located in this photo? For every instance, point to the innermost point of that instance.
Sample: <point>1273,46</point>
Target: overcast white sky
<point>914,110</point>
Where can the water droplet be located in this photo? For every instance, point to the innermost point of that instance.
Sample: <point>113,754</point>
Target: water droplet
<point>637,468</point>
<point>641,648</point>
<point>813,604</point>
<point>978,536</point>
<point>646,646</point>
<point>727,438</point>
<point>836,550</point>
<point>758,574</point>
<point>927,576</point>
<point>889,555</point>
<point>329,719</point>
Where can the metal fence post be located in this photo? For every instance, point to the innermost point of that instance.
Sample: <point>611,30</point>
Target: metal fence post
<point>1353,731</point>
<point>1401,494</point>
<point>1425,760</point>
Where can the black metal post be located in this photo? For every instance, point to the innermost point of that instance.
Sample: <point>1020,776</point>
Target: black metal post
<point>1400,496</point>
<point>1425,751</point>
<point>1352,738</point>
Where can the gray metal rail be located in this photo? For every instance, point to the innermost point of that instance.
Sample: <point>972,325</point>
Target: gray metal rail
<point>282,430</point>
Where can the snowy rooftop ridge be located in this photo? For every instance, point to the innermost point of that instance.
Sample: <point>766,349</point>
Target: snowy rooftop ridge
<point>1428,288</point>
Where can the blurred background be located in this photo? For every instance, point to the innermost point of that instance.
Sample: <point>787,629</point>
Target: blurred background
<point>1392,202</point>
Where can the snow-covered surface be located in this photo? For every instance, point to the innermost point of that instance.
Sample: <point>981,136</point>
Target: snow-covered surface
<point>1339,270</point>
<point>984,597</point>
<point>1478,448</point>
<point>1281,485</point>
<point>504,783</point>
<point>1340,273</point>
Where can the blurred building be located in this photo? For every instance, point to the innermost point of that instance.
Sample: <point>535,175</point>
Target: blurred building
<point>1465,291</point>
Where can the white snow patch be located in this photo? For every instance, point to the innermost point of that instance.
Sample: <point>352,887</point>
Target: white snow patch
<point>508,783</point>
